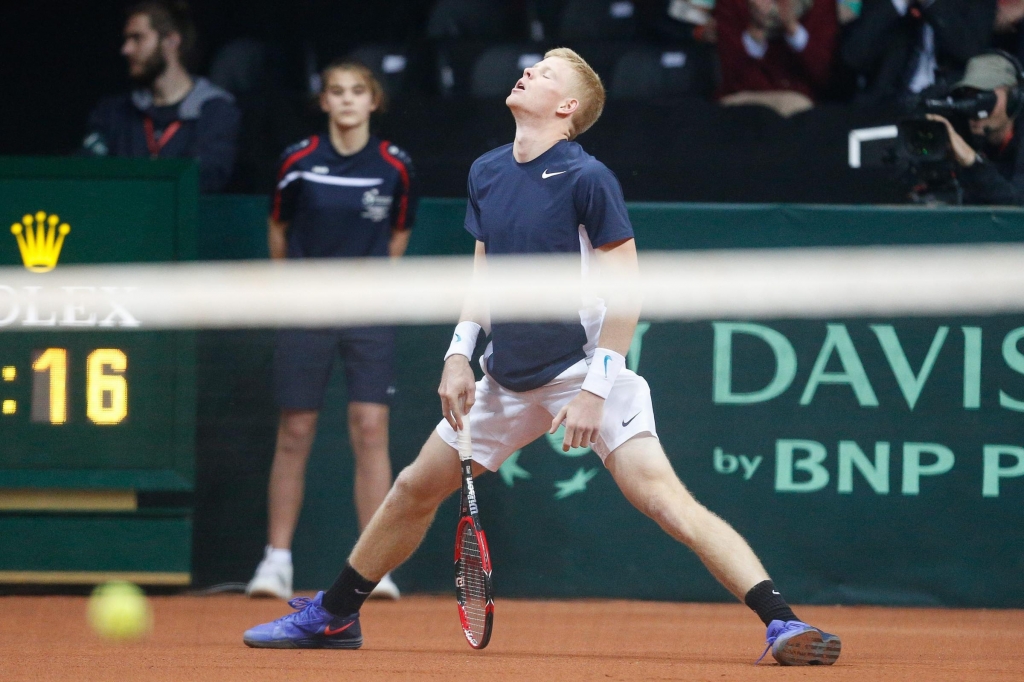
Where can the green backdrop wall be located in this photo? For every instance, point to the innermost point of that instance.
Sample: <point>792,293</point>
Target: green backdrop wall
<point>866,460</point>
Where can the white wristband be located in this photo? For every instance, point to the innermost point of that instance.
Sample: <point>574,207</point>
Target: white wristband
<point>464,339</point>
<point>605,366</point>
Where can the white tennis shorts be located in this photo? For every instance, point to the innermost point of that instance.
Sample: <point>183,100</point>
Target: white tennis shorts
<point>502,421</point>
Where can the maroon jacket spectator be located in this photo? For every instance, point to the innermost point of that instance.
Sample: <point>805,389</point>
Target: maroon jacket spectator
<point>768,45</point>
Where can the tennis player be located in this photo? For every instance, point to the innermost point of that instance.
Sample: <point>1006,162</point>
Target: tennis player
<point>341,194</point>
<point>544,194</point>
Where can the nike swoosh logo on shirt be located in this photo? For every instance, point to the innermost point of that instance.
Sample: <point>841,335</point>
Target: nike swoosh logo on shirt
<point>547,175</point>
<point>329,632</point>
<point>626,423</point>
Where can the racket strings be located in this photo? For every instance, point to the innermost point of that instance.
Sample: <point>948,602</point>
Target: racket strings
<point>475,586</point>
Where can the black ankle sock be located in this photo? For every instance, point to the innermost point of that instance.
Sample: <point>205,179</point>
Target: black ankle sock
<point>766,601</point>
<point>348,592</point>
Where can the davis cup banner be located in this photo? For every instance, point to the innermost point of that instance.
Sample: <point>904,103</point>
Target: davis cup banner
<point>839,377</point>
<point>879,460</point>
<point>866,461</point>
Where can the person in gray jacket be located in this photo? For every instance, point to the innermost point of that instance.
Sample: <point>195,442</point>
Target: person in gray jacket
<point>170,113</point>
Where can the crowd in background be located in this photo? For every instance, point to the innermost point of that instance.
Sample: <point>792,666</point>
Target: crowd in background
<point>783,55</point>
<point>842,50</point>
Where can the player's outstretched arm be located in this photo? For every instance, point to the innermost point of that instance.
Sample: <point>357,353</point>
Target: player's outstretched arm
<point>458,384</point>
<point>277,238</point>
<point>618,262</point>
<point>582,416</point>
<point>475,308</point>
<point>457,389</point>
<point>398,243</point>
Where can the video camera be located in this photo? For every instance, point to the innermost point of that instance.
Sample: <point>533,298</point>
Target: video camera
<point>927,141</point>
<point>965,104</point>
<point>925,146</point>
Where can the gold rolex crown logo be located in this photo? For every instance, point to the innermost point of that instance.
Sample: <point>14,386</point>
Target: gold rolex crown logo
<point>40,240</point>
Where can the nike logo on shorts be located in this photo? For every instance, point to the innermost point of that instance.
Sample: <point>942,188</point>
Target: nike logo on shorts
<point>626,423</point>
<point>545,175</point>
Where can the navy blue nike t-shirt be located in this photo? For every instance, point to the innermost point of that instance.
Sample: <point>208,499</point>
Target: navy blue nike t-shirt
<point>343,206</point>
<point>564,201</point>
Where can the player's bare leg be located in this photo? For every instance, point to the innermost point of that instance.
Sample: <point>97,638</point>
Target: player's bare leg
<point>400,523</point>
<point>331,618</point>
<point>645,476</point>
<point>368,433</point>
<point>295,433</point>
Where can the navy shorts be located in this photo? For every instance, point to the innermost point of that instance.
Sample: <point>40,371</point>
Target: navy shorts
<point>304,358</point>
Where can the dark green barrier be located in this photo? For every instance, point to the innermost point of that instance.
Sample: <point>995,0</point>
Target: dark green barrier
<point>875,460</point>
<point>97,426</point>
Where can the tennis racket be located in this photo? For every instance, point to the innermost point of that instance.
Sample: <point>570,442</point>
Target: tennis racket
<point>472,558</point>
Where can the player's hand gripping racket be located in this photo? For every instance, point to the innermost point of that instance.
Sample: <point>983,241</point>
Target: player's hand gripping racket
<point>472,558</point>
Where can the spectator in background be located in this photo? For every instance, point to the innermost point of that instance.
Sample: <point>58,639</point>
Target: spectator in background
<point>689,20</point>
<point>1009,15</point>
<point>994,175</point>
<point>898,48</point>
<point>170,114</point>
<point>342,194</point>
<point>848,10</point>
<point>776,53</point>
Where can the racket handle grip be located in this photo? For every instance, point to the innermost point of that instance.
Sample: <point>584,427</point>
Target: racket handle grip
<point>465,441</point>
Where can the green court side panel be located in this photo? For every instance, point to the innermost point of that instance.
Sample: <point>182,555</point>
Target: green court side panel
<point>103,542</point>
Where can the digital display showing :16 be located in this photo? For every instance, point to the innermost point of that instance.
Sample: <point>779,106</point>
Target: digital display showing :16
<point>106,386</point>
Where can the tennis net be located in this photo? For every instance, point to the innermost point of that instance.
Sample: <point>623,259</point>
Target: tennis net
<point>799,283</point>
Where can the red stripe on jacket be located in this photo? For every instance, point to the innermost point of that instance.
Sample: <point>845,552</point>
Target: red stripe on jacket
<point>404,173</point>
<point>288,163</point>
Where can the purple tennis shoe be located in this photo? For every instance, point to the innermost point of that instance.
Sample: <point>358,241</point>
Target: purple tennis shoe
<point>794,642</point>
<point>311,626</point>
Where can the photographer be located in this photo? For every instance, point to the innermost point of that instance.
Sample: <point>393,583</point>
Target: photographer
<point>995,174</point>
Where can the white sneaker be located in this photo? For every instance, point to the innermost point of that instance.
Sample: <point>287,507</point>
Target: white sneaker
<point>272,579</point>
<point>386,589</point>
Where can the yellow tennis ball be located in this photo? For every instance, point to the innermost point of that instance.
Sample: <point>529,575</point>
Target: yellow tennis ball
<point>119,611</point>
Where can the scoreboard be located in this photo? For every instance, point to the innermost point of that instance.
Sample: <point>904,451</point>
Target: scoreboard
<point>88,410</point>
<point>97,415</point>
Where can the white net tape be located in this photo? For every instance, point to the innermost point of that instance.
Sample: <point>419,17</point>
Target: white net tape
<point>798,283</point>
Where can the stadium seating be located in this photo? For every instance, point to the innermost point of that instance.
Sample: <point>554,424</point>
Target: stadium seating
<point>239,65</point>
<point>603,55</point>
<point>597,20</point>
<point>498,68</point>
<point>390,63</point>
<point>473,19</point>
<point>647,72</point>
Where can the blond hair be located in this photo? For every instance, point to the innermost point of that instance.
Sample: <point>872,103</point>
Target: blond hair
<point>379,97</point>
<point>591,97</point>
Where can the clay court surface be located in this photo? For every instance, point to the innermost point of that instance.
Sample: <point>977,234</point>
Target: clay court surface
<point>200,638</point>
